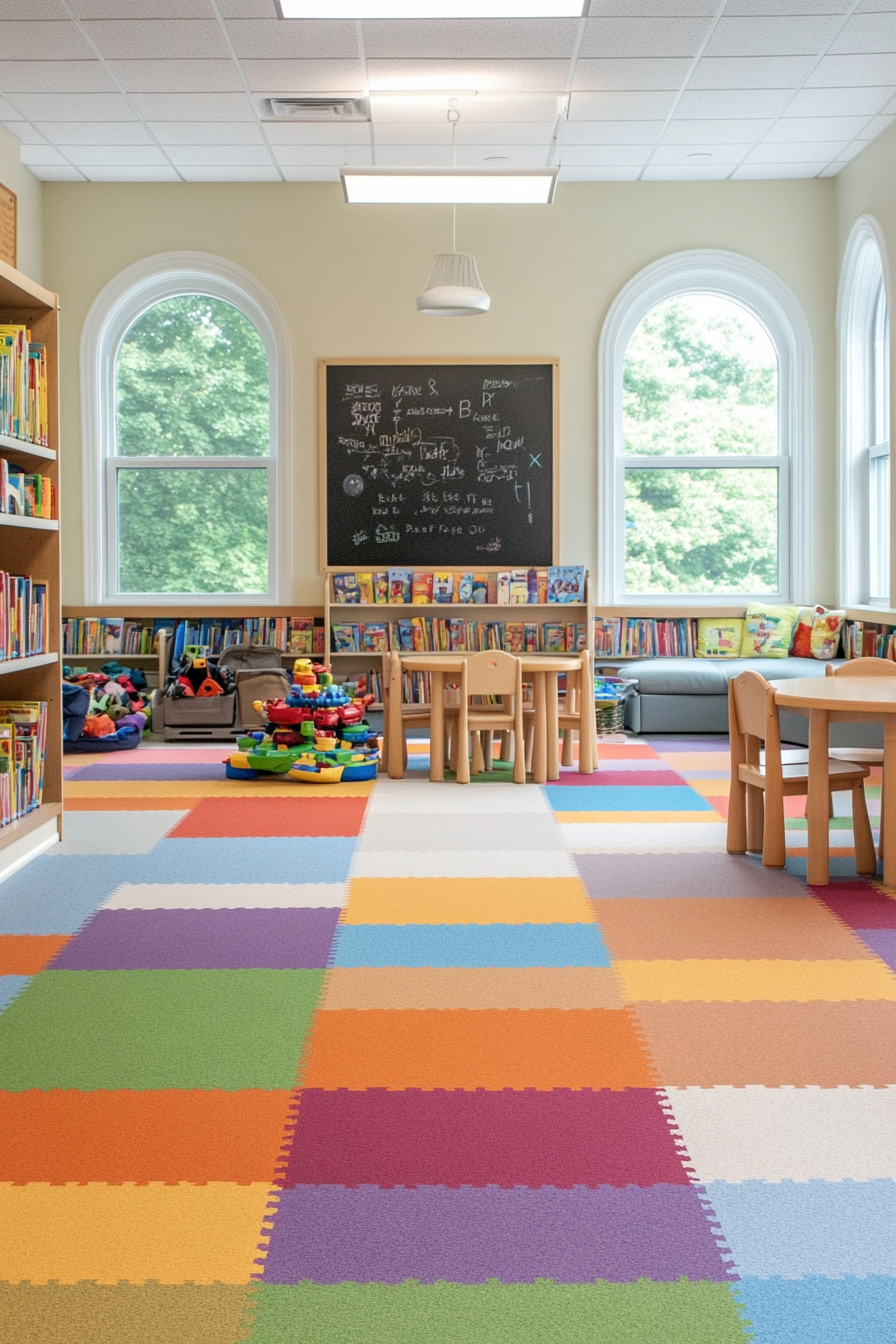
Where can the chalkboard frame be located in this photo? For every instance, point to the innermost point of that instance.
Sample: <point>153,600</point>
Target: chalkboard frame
<point>430,362</point>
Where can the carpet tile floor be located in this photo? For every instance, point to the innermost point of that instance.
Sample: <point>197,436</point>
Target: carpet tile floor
<point>410,1062</point>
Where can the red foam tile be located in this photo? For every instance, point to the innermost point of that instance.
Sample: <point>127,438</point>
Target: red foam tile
<point>214,818</point>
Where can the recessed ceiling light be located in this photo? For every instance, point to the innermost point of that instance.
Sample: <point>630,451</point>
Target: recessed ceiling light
<point>701,154</point>
<point>497,158</point>
<point>430,9</point>
<point>448,186</point>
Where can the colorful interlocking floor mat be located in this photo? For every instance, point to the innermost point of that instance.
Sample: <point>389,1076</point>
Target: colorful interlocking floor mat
<point>414,1063</point>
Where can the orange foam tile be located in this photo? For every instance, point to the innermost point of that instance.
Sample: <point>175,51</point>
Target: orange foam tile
<point>28,953</point>
<point>100,804</point>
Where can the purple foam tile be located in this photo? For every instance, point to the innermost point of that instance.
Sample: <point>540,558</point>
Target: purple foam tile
<point>674,744</point>
<point>329,1234</point>
<point>605,777</point>
<point>678,875</point>
<point>193,940</point>
<point>107,773</point>
<point>881,941</point>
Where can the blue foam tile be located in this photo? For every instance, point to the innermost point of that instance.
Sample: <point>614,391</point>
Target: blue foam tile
<point>56,893</point>
<point>626,798</point>
<point>818,1310</point>
<point>798,1229</point>
<point>10,987</point>
<point>839,866</point>
<point>470,945</point>
<point>251,859</point>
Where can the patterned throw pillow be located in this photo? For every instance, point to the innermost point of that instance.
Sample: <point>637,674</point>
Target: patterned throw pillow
<point>818,633</point>
<point>719,637</point>
<point>768,631</point>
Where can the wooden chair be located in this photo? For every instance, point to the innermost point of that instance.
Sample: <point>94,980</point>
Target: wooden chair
<point>490,673</point>
<point>756,804</point>
<point>398,717</point>
<point>864,667</point>
<point>576,715</point>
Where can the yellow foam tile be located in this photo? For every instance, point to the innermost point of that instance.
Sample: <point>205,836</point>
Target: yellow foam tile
<point>467,900</point>
<point>106,1233</point>
<point>740,981</point>
<point>642,817</point>
<point>208,788</point>
<point>696,760</point>
<point>711,788</point>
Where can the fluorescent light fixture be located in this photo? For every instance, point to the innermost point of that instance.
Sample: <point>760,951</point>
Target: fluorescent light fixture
<point>448,186</point>
<point>430,9</point>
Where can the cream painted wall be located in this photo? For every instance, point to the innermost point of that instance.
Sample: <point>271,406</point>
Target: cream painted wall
<point>346,280</point>
<point>28,189</point>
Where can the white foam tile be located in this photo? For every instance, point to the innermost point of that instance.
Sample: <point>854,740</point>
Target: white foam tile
<point>123,173</point>
<point>207,132</point>
<point>722,104</point>
<point>230,173</point>
<point>793,35</point>
<point>640,36</point>
<point>55,77</point>
<point>848,102</point>
<point>212,156</point>
<point>822,150</point>
<point>94,132</point>
<point>178,76</point>
<point>271,38</point>
<point>487,76</point>
<point>610,156</point>
<point>464,863</point>
<point>505,39</point>
<point>811,1133</point>
<point>69,107</point>
<point>808,129</point>
<point>611,132</point>
<point>56,41</point>
<point>157,39</point>
<point>487,832</point>
<point>410,796</point>
<point>235,896</point>
<point>636,837</point>
<point>115,833</point>
<point>286,77</point>
<point>194,106</point>
<point>841,71</point>
<point>866,33</point>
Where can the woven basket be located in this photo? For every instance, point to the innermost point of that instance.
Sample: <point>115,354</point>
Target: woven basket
<point>609,716</point>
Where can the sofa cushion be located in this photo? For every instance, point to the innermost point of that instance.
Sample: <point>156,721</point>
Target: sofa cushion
<point>699,676</point>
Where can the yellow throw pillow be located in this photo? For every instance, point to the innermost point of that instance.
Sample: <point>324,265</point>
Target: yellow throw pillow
<point>718,637</point>
<point>768,631</point>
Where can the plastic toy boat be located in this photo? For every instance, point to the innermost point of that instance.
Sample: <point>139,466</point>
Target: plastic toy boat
<point>316,774</point>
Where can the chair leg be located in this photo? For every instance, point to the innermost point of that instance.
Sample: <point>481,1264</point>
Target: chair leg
<point>774,841</point>
<point>529,740</point>
<point>863,840</point>
<point>755,819</point>
<point>567,757</point>
<point>478,766</point>
<point>880,844</point>
<point>737,817</point>
<point>488,751</point>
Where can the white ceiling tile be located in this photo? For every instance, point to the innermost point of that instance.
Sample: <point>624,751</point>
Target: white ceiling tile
<point>74,106</point>
<point>611,132</point>
<point>653,9</point>
<point>35,154</point>
<point>312,174</point>
<point>156,39</point>
<point>231,173</point>
<point>852,151</point>
<point>194,106</point>
<point>866,33</point>
<point>506,39</point>
<point>852,102</point>
<point>54,76</point>
<point>140,9</point>
<point>104,173</point>
<point>720,156</point>
<point>832,170</point>
<point>413,156</point>
<point>599,174</point>
<point>116,156</point>
<point>518,76</point>
<point>874,6</point>
<point>207,132</point>
<point>697,173</point>
<point>876,126</point>
<point>95,132</point>
<point>485,109</point>
<point>212,156</point>
<point>33,9</point>
<point>736,130</point>
<point>890,106</point>
<point>10,112</point>
<point>304,76</point>
<point>819,150</point>
<point>248,9</point>
<point>620,106</point>
<point>643,37</point>
<point>751,72</point>
<point>24,131</point>
<point>704,104</point>
<point>272,39</point>
<point>468,133</point>
<point>177,76</point>
<point>760,171</point>
<point>50,174</point>
<point>793,36</point>
<point>299,156</point>
<point>501,156</point>
<point>316,133</point>
<point>608,156</point>
<point>771,8</point>
<point>841,71</point>
<point>54,41</point>
<point>634,75</point>
<point>806,129</point>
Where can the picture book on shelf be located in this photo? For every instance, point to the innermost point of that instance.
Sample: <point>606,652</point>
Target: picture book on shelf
<point>346,637</point>
<point>375,638</point>
<point>519,586</point>
<point>400,581</point>
<point>442,586</point>
<point>566,583</point>
<point>503,582</point>
<point>479,589</point>
<point>421,589</point>
<point>346,588</point>
<point>112,630</point>
<point>463,588</point>
<point>380,586</point>
<point>365,587</point>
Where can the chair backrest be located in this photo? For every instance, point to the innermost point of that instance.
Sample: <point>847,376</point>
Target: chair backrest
<point>753,718</point>
<point>493,672</point>
<point>863,667</point>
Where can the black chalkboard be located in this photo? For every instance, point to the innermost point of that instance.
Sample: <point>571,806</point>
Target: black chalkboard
<point>438,464</point>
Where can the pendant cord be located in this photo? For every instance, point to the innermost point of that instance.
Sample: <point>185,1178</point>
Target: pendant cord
<point>454,118</point>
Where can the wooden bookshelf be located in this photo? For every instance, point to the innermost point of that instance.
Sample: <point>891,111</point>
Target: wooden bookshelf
<point>31,546</point>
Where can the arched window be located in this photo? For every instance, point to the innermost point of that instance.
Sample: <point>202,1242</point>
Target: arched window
<point>864,419</point>
<point>185,360</point>
<point>703,409</point>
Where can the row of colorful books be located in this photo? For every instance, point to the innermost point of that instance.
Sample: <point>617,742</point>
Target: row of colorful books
<point>24,400</point>
<point>864,639</point>
<point>23,749</point>
<point>26,494</point>
<point>424,634</point>
<point>644,637</point>
<point>301,635</point>
<point>511,587</point>
<point>24,617</point>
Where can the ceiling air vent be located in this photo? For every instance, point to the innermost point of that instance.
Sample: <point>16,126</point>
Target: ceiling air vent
<point>316,109</point>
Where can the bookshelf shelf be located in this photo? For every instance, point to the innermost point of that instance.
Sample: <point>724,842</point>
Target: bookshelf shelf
<point>30,546</point>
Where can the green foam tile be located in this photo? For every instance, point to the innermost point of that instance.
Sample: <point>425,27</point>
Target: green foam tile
<point>144,1313</point>
<point>157,1029</point>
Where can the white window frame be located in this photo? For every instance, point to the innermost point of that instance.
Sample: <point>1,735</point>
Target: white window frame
<point>865,268</point>
<point>111,316</point>
<point>732,276</point>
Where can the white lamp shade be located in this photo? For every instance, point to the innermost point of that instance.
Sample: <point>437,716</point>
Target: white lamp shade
<point>454,288</point>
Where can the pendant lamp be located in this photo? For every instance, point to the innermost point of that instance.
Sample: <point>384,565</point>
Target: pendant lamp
<point>453,288</point>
